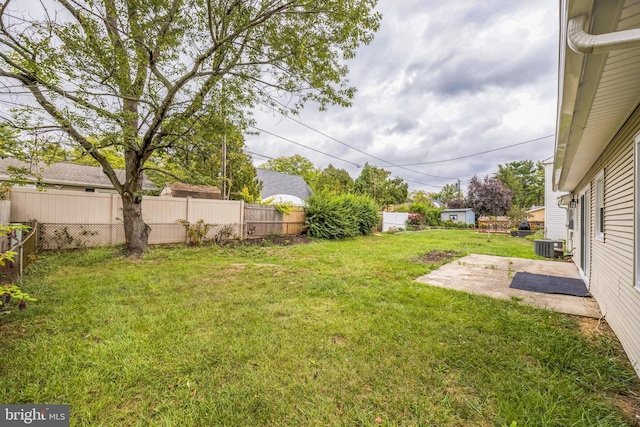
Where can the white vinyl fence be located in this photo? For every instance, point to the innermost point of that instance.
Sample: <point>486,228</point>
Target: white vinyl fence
<point>76,219</point>
<point>394,219</point>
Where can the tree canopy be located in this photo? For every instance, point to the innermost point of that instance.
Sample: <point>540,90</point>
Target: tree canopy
<point>525,179</point>
<point>377,183</point>
<point>137,75</point>
<point>197,159</point>
<point>488,196</point>
<point>447,193</point>
<point>294,165</point>
<point>333,180</point>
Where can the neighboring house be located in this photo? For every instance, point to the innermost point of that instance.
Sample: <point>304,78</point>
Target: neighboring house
<point>465,215</point>
<point>283,186</point>
<point>178,189</point>
<point>536,213</point>
<point>437,203</point>
<point>597,155</point>
<point>555,216</point>
<point>69,176</point>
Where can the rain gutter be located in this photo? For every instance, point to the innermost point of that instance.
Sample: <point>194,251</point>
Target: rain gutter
<point>582,42</point>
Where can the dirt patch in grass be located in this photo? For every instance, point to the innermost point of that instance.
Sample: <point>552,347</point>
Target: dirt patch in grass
<point>627,401</point>
<point>591,327</point>
<point>629,404</point>
<point>339,340</point>
<point>434,257</point>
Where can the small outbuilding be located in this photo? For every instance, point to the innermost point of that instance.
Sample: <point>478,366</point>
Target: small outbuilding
<point>178,189</point>
<point>463,215</point>
<point>536,214</point>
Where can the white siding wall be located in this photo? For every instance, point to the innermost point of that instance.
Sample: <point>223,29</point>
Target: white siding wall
<point>555,217</point>
<point>612,260</point>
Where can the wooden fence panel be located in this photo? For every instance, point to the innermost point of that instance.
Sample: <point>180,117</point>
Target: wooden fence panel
<point>503,225</point>
<point>293,224</point>
<point>261,221</point>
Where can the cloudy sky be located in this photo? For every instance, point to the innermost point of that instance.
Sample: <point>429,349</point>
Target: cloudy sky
<point>441,80</point>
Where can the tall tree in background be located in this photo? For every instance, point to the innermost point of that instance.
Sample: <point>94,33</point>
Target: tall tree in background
<point>141,73</point>
<point>488,196</point>
<point>294,165</point>
<point>377,183</point>
<point>525,179</point>
<point>447,193</point>
<point>420,197</point>
<point>333,180</point>
<point>196,158</point>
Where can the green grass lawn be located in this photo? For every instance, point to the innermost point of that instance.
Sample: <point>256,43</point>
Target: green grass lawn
<point>323,334</point>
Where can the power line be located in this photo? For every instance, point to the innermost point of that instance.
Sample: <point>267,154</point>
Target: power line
<point>260,155</point>
<point>335,157</point>
<point>420,183</point>
<point>479,153</point>
<point>309,148</point>
<point>388,163</point>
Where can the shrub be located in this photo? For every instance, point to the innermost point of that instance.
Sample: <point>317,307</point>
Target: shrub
<point>430,214</point>
<point>415,219</point>
<point>363,210</point>
<point>450,224</point>
<point>335,217</point>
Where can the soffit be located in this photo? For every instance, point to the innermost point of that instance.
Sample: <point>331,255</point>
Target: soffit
<point>608,92</point>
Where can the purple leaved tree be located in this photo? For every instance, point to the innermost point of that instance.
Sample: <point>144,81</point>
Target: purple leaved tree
<point>488,196</point>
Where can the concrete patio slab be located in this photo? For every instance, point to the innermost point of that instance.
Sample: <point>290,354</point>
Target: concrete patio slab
<point>492,275</point>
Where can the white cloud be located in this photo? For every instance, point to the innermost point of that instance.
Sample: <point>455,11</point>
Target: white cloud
<point>441,80</point>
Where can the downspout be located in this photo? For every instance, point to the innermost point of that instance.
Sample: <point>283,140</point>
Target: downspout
<point>582,42</point>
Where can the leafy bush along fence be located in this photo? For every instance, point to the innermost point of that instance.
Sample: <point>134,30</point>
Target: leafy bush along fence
<point>75,236</point>
<point>335,217</point>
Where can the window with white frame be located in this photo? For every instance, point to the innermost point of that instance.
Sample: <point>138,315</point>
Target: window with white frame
<point>600,206</point>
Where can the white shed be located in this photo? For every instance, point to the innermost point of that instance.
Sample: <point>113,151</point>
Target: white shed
<point>465,215</point>
<point>555,217</point>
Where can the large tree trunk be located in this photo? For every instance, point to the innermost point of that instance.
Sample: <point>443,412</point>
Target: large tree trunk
<point>135,230</point>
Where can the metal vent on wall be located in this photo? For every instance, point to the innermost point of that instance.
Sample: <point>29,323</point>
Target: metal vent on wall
<point>547,248</point>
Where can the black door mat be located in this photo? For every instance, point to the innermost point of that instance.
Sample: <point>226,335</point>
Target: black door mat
<point>549,284</point>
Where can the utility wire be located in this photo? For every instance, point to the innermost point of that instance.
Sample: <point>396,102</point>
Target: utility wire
<point>479,153</point>
<point>309,148</point>
<point>335,157</point>
<point>388,163</point>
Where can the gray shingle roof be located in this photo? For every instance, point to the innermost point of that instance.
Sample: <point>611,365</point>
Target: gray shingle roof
<point>282,183</point>
<point>70,174</point>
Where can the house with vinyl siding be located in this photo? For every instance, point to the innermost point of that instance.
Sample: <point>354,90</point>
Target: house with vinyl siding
<point>597,155</point>
<point>555,216</point>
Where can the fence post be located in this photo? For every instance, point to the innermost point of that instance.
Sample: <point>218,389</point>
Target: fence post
<point>21,261</point>
<point>189,209</point>
<point>242,219</point>
<point>114,215</point>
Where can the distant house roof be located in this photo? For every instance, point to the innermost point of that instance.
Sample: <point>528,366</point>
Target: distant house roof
<point>535,208</point>
<point>436,203</point>
<point>69,174</point>
<point>178,189</point>
<point>282,183</point>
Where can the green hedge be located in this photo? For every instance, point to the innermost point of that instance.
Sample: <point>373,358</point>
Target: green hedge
<point>330,216</point>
